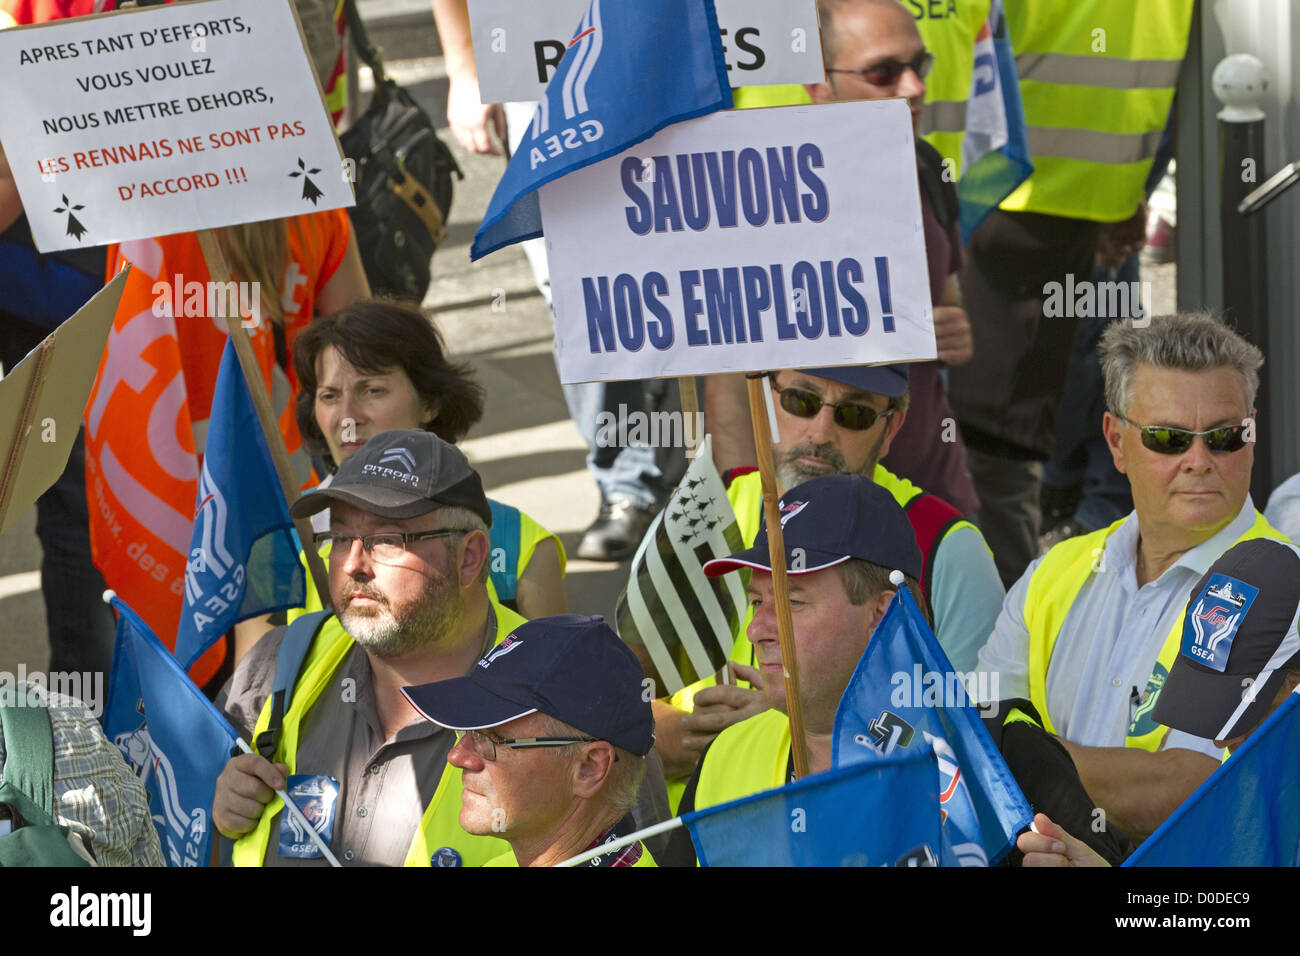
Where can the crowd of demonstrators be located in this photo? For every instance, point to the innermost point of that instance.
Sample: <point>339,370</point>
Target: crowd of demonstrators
<point>448,712</point>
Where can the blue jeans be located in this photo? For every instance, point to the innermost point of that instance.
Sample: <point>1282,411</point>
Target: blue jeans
<point>631,473</point>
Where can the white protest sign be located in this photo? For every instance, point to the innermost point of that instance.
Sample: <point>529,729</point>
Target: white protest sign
<point>166,119</point>
<point>519,43</point>
<point>744,241</point>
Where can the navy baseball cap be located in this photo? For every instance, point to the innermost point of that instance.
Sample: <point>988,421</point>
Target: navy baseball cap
<point>1239,636</point>
<point>401,474</point>
<point>572,668</point>
<point>887,380</point>
<point>829,520</point>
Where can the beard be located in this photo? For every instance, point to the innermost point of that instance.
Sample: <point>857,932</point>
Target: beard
<point>426,622</point>
<point>790,472</point>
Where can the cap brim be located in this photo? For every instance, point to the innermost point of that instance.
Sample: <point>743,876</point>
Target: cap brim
<point>461,704</point>
<point>1206,703</point>
<point>759,559</point>
<point>372,499</point>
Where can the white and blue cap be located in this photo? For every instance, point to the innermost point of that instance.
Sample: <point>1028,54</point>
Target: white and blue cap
<point>572,668</point>
<point>829,520</point>
<point>1239,637</point>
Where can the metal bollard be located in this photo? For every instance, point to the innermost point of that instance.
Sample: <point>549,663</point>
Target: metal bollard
<point>1239,83</point>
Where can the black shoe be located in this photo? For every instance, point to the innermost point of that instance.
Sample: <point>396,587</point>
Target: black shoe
<point>616,532</point>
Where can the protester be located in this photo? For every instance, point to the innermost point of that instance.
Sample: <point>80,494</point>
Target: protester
<point>1097,83</point>
<point>844,420</point>
<point>873,50</point>
<point>411,607</point>
<point>376,366</point>
<point>1090,631</point>
<point>95,795</point>
<point>1256,647</point>
<point>552,731</point>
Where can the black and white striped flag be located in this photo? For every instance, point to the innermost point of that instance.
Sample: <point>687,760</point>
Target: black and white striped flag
<point>686,621</point>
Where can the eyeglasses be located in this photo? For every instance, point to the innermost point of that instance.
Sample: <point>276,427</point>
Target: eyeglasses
<point>485,745</point>
<point>851,415</point>
<point>888,72</point>
<point>385,547</point>
<point>1165,440</point>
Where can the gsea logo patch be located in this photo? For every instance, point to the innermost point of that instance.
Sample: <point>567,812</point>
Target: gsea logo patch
<point>1214,620</point>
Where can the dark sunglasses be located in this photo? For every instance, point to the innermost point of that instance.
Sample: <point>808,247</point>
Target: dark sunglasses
<point>851,415</point>
<point>888,72</point>
<point>1165,440</point>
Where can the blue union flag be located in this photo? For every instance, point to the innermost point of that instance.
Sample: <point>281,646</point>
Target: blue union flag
<point>243,551</point>
<point>630,70</point>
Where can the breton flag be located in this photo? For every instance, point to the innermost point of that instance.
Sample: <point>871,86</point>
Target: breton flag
<point>685,620</point>
<point>630,70</point>
<point>884,711</point>
<point>882,813</point>
<point>995,152</point>
<point>1247,813</point>
<point>243,554</point>
<point>172,736</point>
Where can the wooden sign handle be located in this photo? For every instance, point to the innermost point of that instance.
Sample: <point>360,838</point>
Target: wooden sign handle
<point>780,584</point>
<point>219,271</point>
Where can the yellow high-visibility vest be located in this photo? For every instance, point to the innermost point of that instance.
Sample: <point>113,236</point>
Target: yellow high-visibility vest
<point>1097,81</point>
<point>1055,584</point>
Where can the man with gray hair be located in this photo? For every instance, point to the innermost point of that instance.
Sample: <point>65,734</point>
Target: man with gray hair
<point>1089,632</point>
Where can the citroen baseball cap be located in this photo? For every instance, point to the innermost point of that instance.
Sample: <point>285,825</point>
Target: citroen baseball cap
<point>572,668</point>
<point>1239,636</point>
<point>401,474</point>
<point>829,520</point>
<point>887,380</point>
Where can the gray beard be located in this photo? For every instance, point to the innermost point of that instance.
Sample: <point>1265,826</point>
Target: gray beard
<point>790,473</point>
<point>430,621</point>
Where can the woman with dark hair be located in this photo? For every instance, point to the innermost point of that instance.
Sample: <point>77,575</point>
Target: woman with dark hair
<point>378,365</point>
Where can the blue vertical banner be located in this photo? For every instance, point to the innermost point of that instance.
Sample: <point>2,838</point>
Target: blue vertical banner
<point>630,70</point>
<point>243,557</point>
<point>1247,813</point>
<point>172,736</point>
<point>883,813</point>
<point>885,711</point>
<point>995,152</point>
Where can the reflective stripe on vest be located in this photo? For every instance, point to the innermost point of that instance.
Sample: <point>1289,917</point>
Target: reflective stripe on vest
<point>746,758</point>
<point>951,38</point>
<point>327,652</point>
<point>1097,81</point>
<point>1055,584</point>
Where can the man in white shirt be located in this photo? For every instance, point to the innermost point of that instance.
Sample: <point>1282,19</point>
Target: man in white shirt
<point>1090,630</point>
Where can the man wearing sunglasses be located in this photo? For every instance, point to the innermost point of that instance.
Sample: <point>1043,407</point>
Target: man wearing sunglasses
<point>1090,631</point>
<point>552,729</point>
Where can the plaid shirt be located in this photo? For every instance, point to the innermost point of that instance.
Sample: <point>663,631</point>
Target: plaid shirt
<point>96,795</point>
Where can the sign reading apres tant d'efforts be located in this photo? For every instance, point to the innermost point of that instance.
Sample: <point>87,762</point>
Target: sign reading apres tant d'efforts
<point>519,43</point>
<point>166,119</point>
<point>744,241</point>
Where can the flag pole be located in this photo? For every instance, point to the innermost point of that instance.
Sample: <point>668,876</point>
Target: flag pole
<point>219,271</point>
<point>780,585</point>
<point>618,844</point>
<point>291,808</point>
<point>692,420</point>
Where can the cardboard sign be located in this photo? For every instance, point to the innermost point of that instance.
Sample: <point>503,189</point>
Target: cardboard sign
<point>39,424</point>
<point>518,43</point>
<point>744,241</point>
<point>166,119</point>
